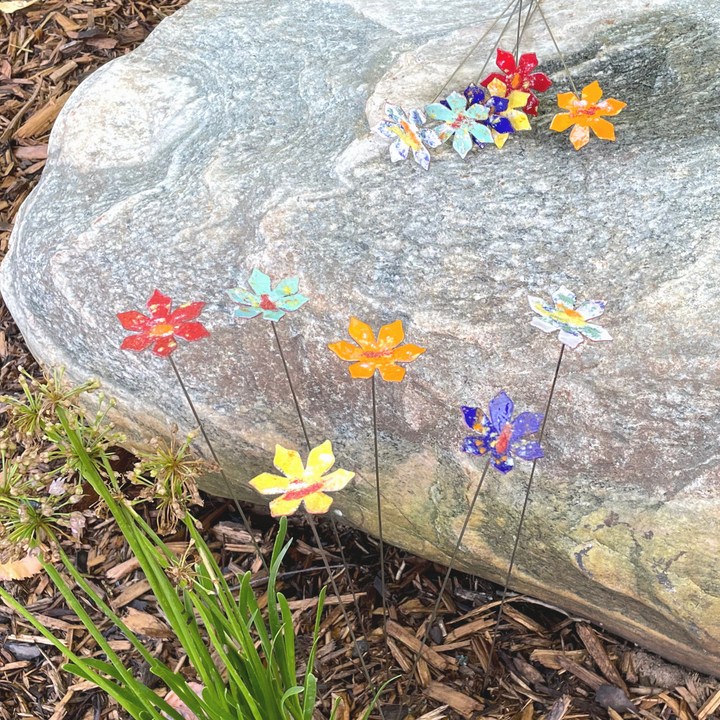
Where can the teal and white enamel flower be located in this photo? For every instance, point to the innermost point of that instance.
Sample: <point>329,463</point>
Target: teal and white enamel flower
<point>460,122</point>
<point>571,321</point>
<point>273,304</point>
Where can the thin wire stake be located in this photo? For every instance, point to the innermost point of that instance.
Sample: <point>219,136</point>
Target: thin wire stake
<point>474,48</point>
<point>528,17</point>
<point>497,42</point>
<point>351,584</point>
<point>517,42</point>
<point>520,525</point>
<point>366,672</point>
<point>449,570</point>
<point>552,37</point>
<point>244,517</point>
<point>379,509</point>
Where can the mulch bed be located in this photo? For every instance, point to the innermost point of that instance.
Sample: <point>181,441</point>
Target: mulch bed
<point>548,664</point>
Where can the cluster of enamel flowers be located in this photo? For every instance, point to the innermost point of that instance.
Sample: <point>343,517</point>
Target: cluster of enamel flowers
<point>490,112</point>
<point>498,435</point>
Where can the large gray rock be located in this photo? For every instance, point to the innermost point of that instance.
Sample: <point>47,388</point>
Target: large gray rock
<point>237,137</point>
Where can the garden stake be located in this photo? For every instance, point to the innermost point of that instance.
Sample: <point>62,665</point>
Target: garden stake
<point>520,524</point>
<point>351,583</point>
<point>572,323</point>
<point>159,331</point>
<point>449,570</point>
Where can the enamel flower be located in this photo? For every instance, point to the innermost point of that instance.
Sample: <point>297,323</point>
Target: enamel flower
<point>408,134</point>
<point>515,101</point>
<point>163,325</point>
<point>273,304</point>
<point>502,436</point>
<point>372,355</point>
<point>504,117</point>
<point>302,484</point>
<point>519,77</point>
<point>571,321</point>
<point>464,124</point>
<point>585,114</point>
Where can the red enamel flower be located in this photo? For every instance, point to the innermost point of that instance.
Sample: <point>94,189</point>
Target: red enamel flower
<point>518,77</point>
<point>163,325</point>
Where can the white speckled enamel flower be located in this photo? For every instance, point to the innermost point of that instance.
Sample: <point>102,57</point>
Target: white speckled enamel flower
<point>407,133</point>
<point>571,321</point>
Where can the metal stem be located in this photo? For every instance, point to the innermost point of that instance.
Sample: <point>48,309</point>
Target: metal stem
<point>520,525</point>
<point>244,517</point>
<point>552,37</point>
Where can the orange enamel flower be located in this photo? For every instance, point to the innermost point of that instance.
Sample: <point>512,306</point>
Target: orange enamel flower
<point>375,355</point>
<point>585,114</point>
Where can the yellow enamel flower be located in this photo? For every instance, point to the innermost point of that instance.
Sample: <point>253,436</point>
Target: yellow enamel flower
<point>516,102</point>
<point>302,484</point>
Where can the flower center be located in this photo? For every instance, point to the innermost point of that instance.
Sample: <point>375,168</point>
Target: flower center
<point>303,491</point>
<point>267,304</point>
<point>374,354</point>
<point>504,438</point>
<point>162,330</point>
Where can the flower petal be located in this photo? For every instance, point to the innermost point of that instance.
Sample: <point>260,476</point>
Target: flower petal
<point>407,353</point>
<point>501,125</point>
<point>444,132</point>
<point>269,484</point>
<point>519,120</point>
<point>527,62</point>
<point>436,111</point>
<point>545,325</point>
<point>532,104</point>
<point>592,93</point>
<point>580,136</point>
<point>363,370</point>
<point>273,315</point>
<point>564,298</point>
<point>159,305</point>
<point>475,419</point>
<point>288,462</point>
<point>417,117</point>
<point>526,423</point>
<point>540,82</point>
<point>477,112</point>
<point>384,129</point>
<point>476,93</point>
<point>475,445</point>
<point>320,460</point>
<point>528,450</point>
<point>498,88</point>
<point>506,61</point>
<point>291,302</point>
<point>394,112</point>
<point>391,373</point>
<point>602,128</point>
<point>561,122</point>
<point>517,99</point>
<point>362,334</point>
<point>481,133</point>
<point>501,408</point>
<point>137,343</point>
<point>281,507</point>
<point>456,101</point>
<point>422,157</point>
<point>503,464</point>
<point>594,332</point>
<point>244,297</point>
<point>429,137</point>
<point>188,311</point>
<point>318,503</point>
<point>135,321</point>
<point>260,282</point>
<point>345,350</point>
<point>398,151</point>
<point>567,101</point>
<point>462,142</point>
<point>591,309</point>
<point>572,340</point>
<point>285,288</point>
<point>164,346</point>
<point>610,107</point>
<point>191,331</point>
<point>246,312</point>
<point>337,480</point>
<point>390,336</point>
<point>500,138</point>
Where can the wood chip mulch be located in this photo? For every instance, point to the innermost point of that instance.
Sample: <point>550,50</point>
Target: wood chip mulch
<point>548,665</point>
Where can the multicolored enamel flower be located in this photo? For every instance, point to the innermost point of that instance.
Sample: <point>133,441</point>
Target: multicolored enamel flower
<point>500,435</point>
<point>163,325</point>
<point>519,77</point>
<point>571,321</point>
<point>273,304</point>
<point>504,117</point>
<point>381,355</point>
<point>464,124</point>
<point>302,484</point>
<point>585,114</point>
<point>408,134</point>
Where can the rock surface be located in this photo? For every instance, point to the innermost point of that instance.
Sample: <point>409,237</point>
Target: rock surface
<point>237,137</point>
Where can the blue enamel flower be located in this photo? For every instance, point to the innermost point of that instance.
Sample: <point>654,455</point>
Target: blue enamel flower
<point>500,435</point>
<point>495,105</point>
<point>273,304</point>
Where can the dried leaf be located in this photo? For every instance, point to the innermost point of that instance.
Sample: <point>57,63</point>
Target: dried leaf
<point>20,569</point>
<point>143,623</point>
<point>14,5</point>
